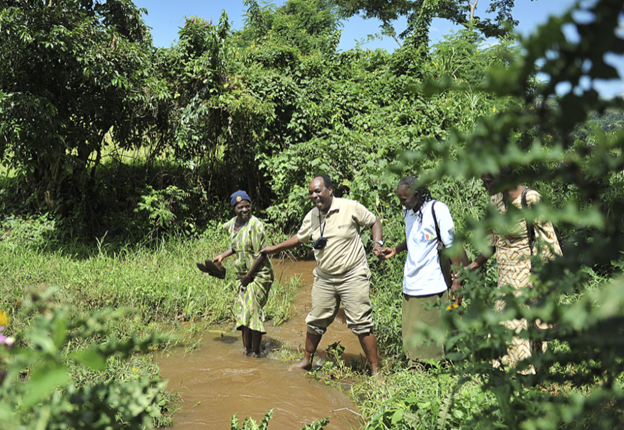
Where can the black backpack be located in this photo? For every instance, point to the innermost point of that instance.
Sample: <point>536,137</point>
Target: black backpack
<point>531,227</point>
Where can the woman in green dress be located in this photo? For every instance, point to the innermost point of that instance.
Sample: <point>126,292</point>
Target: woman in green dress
<point>254,271</point>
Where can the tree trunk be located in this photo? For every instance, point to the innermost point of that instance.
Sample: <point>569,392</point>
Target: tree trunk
<point>473,7</point>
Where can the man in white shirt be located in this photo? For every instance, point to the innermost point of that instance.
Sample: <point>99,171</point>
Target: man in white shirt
<point>423,278</point>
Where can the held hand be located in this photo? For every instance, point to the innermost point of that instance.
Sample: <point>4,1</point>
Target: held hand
<point>387,253</point>
<point>378,251</point>
<point>455,289</point>
<point>246,280</point>
<point>218,259</point>
<point>473,266</point>
<point>267,250</point>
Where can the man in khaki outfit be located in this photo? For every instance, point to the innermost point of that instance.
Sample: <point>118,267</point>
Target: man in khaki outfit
<point>342,273</point>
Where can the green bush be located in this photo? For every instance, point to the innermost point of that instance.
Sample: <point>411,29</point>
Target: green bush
<point>38,392</point>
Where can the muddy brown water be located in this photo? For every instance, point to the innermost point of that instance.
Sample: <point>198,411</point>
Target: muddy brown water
<point>217,381</point>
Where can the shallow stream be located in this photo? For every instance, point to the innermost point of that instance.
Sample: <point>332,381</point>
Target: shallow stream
<point>217,381</point>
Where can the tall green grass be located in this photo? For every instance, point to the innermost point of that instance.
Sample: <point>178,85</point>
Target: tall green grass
<point>159,281</point>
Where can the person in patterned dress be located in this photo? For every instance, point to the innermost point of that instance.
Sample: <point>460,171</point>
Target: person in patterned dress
<point>254,271</point>
<point>513,252</point>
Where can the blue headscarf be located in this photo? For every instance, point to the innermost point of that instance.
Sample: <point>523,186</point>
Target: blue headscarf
<point>238,197</point>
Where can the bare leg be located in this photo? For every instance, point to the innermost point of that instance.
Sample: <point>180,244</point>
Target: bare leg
<point>246,333</point>
<point>256,338</point>
<point>369,345</point>
<point>312,341</point>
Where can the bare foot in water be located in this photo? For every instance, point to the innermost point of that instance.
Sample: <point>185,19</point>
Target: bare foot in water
<point>375,370</point>
<point>304,364</point>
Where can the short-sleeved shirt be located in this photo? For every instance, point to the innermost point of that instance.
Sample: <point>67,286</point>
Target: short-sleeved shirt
<point>341,226</point>
<point>246,244</point>
<point>422,274</point>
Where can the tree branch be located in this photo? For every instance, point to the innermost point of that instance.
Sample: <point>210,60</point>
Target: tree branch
<point>473,7</point>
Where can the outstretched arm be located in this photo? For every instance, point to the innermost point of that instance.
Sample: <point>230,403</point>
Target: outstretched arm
<point>481,259</point>
<point>388,253</point>
<point>457,261</point>
<point>219,258</point>
<point>291,243</point>
<point>378,236</point>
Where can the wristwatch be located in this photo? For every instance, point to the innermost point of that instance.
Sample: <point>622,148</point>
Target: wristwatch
<point>380,242</point>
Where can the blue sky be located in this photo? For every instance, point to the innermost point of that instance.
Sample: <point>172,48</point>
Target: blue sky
<point>165,18</point>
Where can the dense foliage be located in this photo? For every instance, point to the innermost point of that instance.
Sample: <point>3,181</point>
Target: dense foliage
<point>66,81</point>
<point>578,379</point>
<point>261,108</point>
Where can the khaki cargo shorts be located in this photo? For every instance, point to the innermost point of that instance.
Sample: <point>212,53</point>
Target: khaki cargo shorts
<point>352,289</point>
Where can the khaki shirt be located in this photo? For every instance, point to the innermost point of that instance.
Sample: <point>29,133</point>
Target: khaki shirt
<point>344,250</point>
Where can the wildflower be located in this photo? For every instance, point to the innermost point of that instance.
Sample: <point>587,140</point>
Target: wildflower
<point>452,306</point>
<point>134,369</point>
<point>4,319</point>
<point>7,340</point>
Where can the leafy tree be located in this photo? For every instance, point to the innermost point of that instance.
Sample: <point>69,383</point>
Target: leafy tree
<point>309,25</point>
<point>262,109</point>
<point>420,12</point>
<point>215,122</point>
<point>72,72</point>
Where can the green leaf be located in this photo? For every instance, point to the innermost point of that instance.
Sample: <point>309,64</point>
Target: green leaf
<point>397,416</point>
<point>91,358</point>
<point>42,381</point>
<point>59,335</point>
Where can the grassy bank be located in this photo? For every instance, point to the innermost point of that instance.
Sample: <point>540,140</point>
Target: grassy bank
<point>160,281</point>
<point>114,296</point>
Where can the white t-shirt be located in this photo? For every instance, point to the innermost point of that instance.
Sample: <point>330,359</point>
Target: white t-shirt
<point>422,275</point>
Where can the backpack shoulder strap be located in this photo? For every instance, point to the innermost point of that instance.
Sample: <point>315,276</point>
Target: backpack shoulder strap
<point>435,220</point>
<point>525,204</point>
<point>530,227</point>
<point>445,263</point>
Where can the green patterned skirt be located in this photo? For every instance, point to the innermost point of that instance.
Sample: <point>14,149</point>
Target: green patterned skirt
<point>249,304</point>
